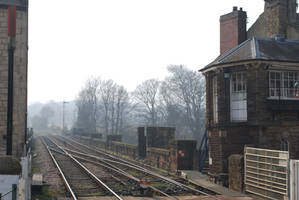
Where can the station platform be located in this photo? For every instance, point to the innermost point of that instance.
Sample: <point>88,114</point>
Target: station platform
<point>203,180</point>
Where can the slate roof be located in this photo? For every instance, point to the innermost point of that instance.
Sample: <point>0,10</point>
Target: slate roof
<point>268,49</point>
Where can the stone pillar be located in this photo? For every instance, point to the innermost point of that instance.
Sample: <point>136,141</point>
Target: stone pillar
<point>236,172</point>
<point>159,137</point>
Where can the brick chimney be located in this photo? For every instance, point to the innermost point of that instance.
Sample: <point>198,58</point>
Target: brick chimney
<point>232,29</point>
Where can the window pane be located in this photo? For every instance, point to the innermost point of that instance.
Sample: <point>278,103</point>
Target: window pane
<point>278,84</point>
<point>291,75</point>
<point>285,75</point>
<point>272,75</point>
<point>272,84</point>
<point>277,75</point>
<point>239,87</point>
<point>234,77</point>
<point>238,97</point>
<point>291,84</point>
<point>272,92</point>
<point>239,77</point>
<point>285,83</point>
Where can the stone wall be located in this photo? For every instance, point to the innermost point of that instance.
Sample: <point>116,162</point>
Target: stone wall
<point>236,172</point>
<point>3,78</point>
<point>269,122</point>
<point>20,80</point>
<point>279,17</point>
<point>159,158</point>
<point>166,159</point>
<point>258,29</point>
<point>159,137</point>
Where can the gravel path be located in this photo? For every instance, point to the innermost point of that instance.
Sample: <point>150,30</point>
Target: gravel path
<point>43,164</point>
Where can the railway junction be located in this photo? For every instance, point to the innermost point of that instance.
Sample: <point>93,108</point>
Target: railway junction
<point>89,172</point>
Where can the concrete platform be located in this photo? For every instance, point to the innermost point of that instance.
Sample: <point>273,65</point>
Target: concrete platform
<point>203,180</point>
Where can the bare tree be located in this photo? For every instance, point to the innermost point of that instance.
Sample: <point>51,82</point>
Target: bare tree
<point>107,97</point>
<point>187,89</point>
<point>87,105</point>
<point>147,94</point>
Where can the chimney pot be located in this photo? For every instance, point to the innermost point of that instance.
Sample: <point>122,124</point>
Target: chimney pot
<point>241,9</point>
<point>235,8</point>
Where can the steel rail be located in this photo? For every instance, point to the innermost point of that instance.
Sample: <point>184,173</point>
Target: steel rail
<point>103,152</point>
<point>61,173</point>
<point>117,162</point>
<point>128,164</point>
<point>88,172</point>
<point>120,171</point>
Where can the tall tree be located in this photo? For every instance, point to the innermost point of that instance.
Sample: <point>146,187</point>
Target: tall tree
<point>87,105</point>
<point>147,94</point>
<point>188,89</point>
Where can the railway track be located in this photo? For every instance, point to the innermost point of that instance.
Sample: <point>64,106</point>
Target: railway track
<point>177,187</point>
<point>120,182</point>
<point>79,181</point>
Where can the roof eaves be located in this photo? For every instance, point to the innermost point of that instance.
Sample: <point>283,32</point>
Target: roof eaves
<point>229,53</point>
<point>246,61</point>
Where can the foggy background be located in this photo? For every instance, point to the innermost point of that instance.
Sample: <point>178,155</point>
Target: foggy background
<point>122,64</point>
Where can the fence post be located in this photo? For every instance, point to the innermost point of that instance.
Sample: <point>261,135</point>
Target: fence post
<point>14,192</point>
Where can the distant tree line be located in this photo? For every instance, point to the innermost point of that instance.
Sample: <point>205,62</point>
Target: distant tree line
<point>48,116</point>
<point>178,101</point>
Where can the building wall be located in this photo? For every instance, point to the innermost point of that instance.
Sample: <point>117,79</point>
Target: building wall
<point>269,121</point>
<point>279,17</point>
<point>20,80</point>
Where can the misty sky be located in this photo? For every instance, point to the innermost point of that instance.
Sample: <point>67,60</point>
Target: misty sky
<point>128,41</point>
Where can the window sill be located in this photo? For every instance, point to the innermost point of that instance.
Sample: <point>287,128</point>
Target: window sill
<point>238,121</point>
<point>283,98</point>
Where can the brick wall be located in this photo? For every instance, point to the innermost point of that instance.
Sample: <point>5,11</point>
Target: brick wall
<point>20,80</point>
<point>232,30</point>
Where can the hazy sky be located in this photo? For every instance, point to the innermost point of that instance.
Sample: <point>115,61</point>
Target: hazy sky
<point>128,41</point>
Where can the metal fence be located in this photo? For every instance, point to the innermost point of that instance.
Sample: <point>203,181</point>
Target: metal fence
<point>266,173</point>
<point>294,179</point>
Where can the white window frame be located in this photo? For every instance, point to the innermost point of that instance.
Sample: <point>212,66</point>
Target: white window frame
<point>215,98</point>
<point>284,85</point>
<point>238,96</point>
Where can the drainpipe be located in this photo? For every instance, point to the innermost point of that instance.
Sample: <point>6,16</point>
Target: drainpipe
<point>11,49</point>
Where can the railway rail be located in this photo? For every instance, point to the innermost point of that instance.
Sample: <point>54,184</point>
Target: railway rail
<point>124,184</point>
<point>79,181</point>
<point>165,185</point>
